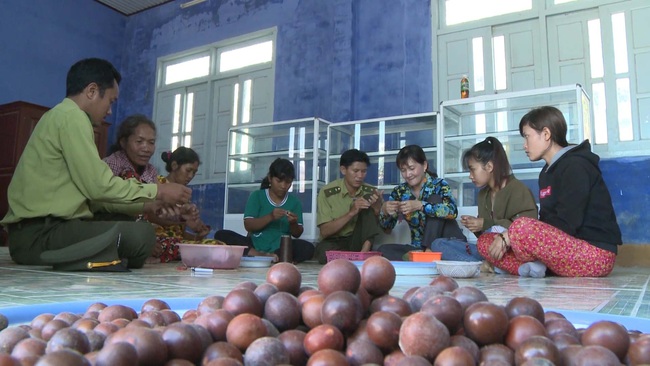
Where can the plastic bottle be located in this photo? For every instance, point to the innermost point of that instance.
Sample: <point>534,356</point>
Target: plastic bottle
<point>464,87</point>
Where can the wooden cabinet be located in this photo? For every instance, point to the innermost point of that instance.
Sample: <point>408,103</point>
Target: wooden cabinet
<point>17,121</point>
<point>101,138</point>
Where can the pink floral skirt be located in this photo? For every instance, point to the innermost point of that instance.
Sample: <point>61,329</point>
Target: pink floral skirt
<point>170,249</point>
<point>564,255</point>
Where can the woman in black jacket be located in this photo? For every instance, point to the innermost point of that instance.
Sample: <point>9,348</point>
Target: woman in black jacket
<point>577,233</point>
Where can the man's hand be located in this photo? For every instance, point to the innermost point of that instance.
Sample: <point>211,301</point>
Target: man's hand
<point>376,200</point>
<point>358,205</point>
<point>174,193</point>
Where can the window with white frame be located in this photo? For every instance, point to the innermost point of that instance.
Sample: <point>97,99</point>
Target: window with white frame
<point>195,67</point>
<point>463,11</point>
<point>201,93</point>
<point>182,127</point>
<point>241,57</point>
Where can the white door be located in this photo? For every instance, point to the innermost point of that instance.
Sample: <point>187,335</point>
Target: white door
<point>568,48</point>
<point>245,99</point>
<point>518,56</point>
<point>639,44</point>
<point>498,59</point>
<point>181,120</point>
<point>164,119</point>
<point>456,57</point>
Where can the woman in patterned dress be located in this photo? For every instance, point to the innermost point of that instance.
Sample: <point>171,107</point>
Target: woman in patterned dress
<point>577,234</point>
<point>181,166</point>
<point>425,202</point>
<point>129,159</point>
<point>130,155</point>
<point>136,143</point>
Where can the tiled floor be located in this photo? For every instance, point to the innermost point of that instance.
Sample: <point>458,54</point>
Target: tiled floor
<point>622,293</point>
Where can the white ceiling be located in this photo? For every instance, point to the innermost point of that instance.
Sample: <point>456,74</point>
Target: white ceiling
<point>128,7</point>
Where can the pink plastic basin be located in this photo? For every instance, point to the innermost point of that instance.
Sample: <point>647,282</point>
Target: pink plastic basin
<point>211,256</point>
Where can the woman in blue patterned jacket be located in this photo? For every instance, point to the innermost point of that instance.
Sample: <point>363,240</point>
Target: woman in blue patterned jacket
<point>426,203</point>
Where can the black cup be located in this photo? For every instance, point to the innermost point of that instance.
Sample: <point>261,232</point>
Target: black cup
<point>286,250</point>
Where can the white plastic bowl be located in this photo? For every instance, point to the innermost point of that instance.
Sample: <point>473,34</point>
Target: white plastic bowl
<point>458,269</point>
<point>256,262</point>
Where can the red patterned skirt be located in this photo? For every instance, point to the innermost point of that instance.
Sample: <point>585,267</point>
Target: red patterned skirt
<point>564,255</point>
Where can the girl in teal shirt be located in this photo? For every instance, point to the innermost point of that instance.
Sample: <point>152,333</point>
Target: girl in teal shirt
<point>270,213</point>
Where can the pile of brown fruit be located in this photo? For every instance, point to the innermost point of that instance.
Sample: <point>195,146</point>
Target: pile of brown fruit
<point>350,319</point>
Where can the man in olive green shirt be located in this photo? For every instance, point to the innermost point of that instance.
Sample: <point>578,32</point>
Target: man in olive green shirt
<point>60,174</point>
<point>348,208</point>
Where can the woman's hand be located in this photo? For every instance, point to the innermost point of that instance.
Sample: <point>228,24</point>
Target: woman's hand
<point>409,206</point>
<point>189,212</point>
<point>292,218</point>
<point>474,224</point>
<point>278,213</point>
<point>157,250</point>
<point>499,246</point>
<point>390,208</point>
<point>203,231</point>
<point>199,229</point>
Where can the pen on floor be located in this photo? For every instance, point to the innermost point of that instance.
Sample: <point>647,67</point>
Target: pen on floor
<point>202,270</point>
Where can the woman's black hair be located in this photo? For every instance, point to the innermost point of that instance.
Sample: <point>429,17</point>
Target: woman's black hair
<point>182,155</point>
<point>549,117</point>
<point>280,168</point>
<point>490,150</point>
<point>127,128</point>
<point>416,153</point>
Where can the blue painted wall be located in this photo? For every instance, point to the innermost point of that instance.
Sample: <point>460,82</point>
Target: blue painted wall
<point>41,39</point>
<point>336,59</point>
<point>628,182</point>
<point>339,60</point>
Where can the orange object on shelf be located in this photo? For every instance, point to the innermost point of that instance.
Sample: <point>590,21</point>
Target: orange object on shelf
<point>464,87</point>
<point>425,256</point>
